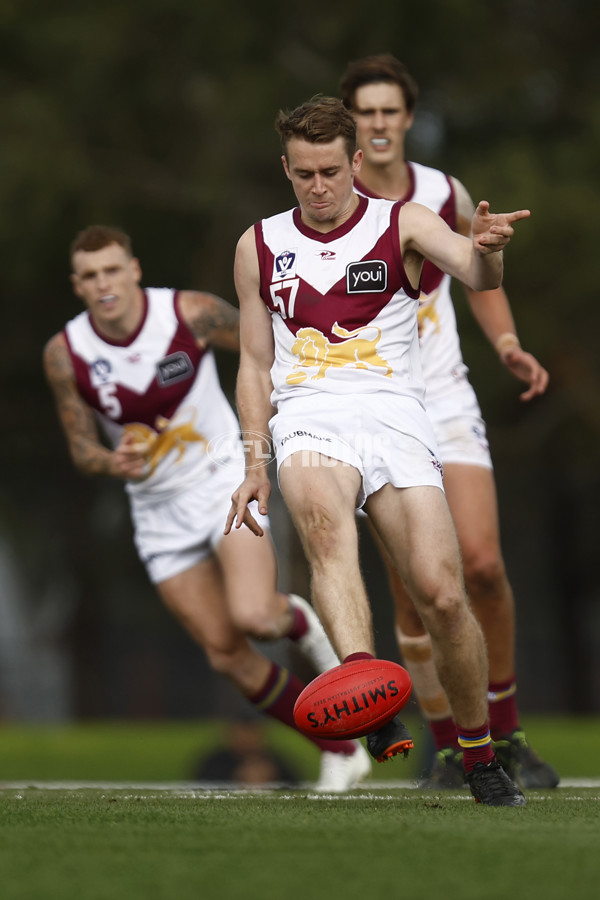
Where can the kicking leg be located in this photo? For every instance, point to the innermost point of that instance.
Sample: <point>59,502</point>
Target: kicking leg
<point>321,498</point>
<point>196,599</point>
<point>249,572</point>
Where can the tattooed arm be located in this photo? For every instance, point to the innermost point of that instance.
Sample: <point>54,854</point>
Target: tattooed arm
<point>211,319</point>
<point>88,453</point>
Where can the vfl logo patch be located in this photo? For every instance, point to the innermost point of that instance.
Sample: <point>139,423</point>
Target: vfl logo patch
<point>174,368</point>
<point>100,371</point>
<point>366,277</point>
<point>285,265</point>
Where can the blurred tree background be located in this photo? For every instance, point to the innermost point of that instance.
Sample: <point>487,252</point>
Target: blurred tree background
<point>157,116</point>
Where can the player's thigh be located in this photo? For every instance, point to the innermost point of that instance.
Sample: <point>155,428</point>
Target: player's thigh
<point>416,527</point>
<point>320,493</point>
<point>196,597</point>
<point>471,495</point>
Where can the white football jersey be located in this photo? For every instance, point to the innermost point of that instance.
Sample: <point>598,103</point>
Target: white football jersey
<point>163,388</point>
<point>343,311</point>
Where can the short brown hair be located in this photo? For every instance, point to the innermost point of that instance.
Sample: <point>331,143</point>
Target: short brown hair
<point>373,69</point>
<point>320,121</point>
<point>97,237</point>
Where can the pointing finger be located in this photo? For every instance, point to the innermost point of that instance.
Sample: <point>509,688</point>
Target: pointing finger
<point>518,214</point>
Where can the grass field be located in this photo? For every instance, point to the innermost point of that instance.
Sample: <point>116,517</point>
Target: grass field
<point>167,751</point>
<point>387,840</point>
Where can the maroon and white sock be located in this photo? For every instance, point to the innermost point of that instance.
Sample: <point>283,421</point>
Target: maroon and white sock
<point>299,624</point>
<point>277,698</point>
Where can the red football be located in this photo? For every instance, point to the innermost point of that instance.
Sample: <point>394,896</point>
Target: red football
<point>352,699</point>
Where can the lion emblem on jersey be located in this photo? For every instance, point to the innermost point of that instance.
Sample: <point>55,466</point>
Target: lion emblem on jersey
<point>167,437</point>
<point>314,350</point>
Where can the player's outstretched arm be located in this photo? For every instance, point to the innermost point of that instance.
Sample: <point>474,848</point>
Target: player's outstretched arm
<point>477,262</point>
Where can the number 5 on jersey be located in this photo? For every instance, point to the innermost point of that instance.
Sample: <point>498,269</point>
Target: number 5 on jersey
<point>109,400</point>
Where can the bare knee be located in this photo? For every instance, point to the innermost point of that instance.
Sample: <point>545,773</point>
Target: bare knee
<point>262,613</point>
<point>320,533</point>
<point>260,623</point>
<point>485,575</point>
<point>444,613</point>
<point>228,658</point>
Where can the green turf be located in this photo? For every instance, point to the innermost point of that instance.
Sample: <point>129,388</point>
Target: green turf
<point>167,751</point>
<point>150,844</point>
<point>96,844</point>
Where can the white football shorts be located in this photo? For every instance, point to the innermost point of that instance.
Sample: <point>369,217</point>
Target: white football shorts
<point>458,426</point>
<point>174,533</point>
<point>387,437</point>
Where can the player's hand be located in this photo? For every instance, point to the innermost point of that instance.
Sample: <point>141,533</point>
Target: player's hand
<point>526,368</point>
<point>493,231</point>
<point>254,487</point>
<point>130,458</point>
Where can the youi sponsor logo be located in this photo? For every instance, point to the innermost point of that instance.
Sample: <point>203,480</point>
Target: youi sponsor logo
<point>366,277</point>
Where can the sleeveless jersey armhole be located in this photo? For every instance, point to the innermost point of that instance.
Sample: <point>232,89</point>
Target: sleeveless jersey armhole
<point>412,292</point>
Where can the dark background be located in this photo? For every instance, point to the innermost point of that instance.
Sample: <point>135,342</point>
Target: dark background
<point>158,117</point>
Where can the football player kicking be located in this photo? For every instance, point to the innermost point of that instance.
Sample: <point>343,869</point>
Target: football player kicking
<point>330,362</point>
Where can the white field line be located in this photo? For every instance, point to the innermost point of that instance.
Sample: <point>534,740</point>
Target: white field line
<point>212,789</point>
